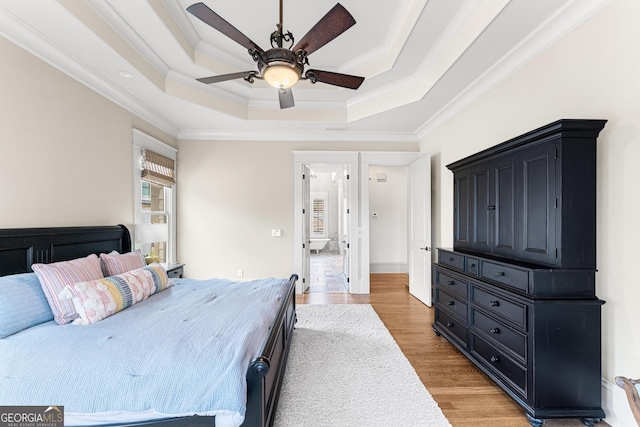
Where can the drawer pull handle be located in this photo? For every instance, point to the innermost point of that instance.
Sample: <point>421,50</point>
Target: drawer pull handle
<point>500,273</point>
<point>473,266</point>
<point>451,259</point>
<point>450,303</point>
<point>494,303</point>
<point>449,325</point>
<point>451,283</point>
<point>494,330</point>
<point>494,359</point>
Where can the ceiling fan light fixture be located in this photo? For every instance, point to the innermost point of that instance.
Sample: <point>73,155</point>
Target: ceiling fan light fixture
<point>281,75</point>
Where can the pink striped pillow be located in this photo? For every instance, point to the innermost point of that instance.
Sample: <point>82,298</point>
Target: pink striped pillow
<point>115,263</point>
<point>55,276</point>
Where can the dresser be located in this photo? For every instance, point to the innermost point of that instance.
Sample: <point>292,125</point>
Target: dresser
<point>516,292</point>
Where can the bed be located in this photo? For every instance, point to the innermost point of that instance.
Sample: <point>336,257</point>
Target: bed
<point>174,328</point>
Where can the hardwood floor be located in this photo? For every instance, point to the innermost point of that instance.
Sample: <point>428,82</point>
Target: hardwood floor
<point>465,395</point>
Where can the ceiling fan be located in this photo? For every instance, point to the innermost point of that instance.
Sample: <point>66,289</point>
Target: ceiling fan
<point>280,66</point>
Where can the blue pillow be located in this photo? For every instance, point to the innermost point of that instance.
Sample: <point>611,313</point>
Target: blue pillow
<point>22,303</point>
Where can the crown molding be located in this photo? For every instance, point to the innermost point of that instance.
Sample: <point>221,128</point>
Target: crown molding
<point>326,135</point>
<point>45,49</point>
<point>567,19</point>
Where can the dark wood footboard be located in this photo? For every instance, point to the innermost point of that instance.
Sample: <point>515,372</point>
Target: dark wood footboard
<point>264,377</point>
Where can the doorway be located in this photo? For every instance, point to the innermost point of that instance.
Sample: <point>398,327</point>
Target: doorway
<point>357,212</point>
<point>328,229</point>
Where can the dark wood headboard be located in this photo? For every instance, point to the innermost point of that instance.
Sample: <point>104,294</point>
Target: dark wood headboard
<point>21,247</point>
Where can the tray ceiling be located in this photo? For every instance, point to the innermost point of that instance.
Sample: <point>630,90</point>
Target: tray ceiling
<point>423,60</point>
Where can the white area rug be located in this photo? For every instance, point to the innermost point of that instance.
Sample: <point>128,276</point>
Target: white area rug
<point>346,370</point>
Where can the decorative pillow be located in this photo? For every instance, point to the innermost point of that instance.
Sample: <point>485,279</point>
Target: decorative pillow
<point>22,303</point>
<point>160,278</point>
<point>114,263</point>
<point>98,299</point>
<point>55,276</point>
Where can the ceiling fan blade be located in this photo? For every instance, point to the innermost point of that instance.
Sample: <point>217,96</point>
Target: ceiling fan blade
<point>285,96</point>
<point>334,23</point>
<point>208,16</point>
<point>336,79</point>
<point>224,77</point>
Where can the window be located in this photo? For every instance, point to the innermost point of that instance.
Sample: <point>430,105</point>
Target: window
<point>154,198</point>
<point>318,214</point>
<point>154,211</point>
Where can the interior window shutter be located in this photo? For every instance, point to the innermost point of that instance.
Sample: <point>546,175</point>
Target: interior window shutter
<point>318,216</point>
<point>158,169</point>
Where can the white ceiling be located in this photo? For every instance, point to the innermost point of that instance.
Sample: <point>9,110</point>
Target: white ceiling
<point>423,60</point>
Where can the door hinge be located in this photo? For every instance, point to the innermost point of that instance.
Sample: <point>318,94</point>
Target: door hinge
<point>304,246</point>
<point>556,252</point>
<point>348,245</point>
<point>556,154</point>
<point>304,211</point>
<point>555,205</point>
<point>347,280</point>
<point>304,280</point>
<point>348,176</point>
<point>348,211</point>
<point>303,176</point>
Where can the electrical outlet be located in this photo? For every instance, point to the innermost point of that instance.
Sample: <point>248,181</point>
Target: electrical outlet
<point>276,232</point>
<point>240,272</point>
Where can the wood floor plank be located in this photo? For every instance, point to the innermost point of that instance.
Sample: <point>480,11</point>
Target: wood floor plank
<point>465,394</point>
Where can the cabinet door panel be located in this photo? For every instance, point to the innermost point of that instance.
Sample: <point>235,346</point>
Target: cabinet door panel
<point>461,209</point>
<point>482,214</point>
<point>539,204</point>
<point>505,208</point>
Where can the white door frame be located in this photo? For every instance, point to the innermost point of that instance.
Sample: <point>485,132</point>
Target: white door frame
<point>359,204</point>
<point>350,158</point>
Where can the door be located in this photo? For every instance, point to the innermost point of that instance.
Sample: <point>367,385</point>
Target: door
<point>420,229</point>
<point>344,223</point>
<point>306,228</point>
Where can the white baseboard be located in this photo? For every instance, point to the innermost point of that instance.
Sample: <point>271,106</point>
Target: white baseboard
<point>616,406</point>
<point>388,267</point>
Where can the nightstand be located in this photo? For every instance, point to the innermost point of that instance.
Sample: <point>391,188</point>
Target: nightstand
<point>174,270</point>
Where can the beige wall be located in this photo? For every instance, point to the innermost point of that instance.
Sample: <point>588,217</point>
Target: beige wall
<point>594,72</point>
<point>66,150</point>
<point>388,231</point>
<point>232,193</point>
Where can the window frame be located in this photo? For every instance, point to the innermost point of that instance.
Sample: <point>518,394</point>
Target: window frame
<point>143,141</point>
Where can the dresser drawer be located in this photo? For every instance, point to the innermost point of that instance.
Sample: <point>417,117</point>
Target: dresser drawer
<point>472,266</point>
<point>451,326</point>
<point>515,342</point>
<point>510,276</point>
<point>451,259</point>
<point>500,363</point>
<point>510,310</point>
<point>451,304</point>
<point>451,283</point>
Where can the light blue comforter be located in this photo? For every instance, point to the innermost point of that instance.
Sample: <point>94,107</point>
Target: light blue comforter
<point>183,351</point>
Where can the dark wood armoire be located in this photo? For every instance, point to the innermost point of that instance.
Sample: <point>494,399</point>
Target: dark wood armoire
<point>516,293</point>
